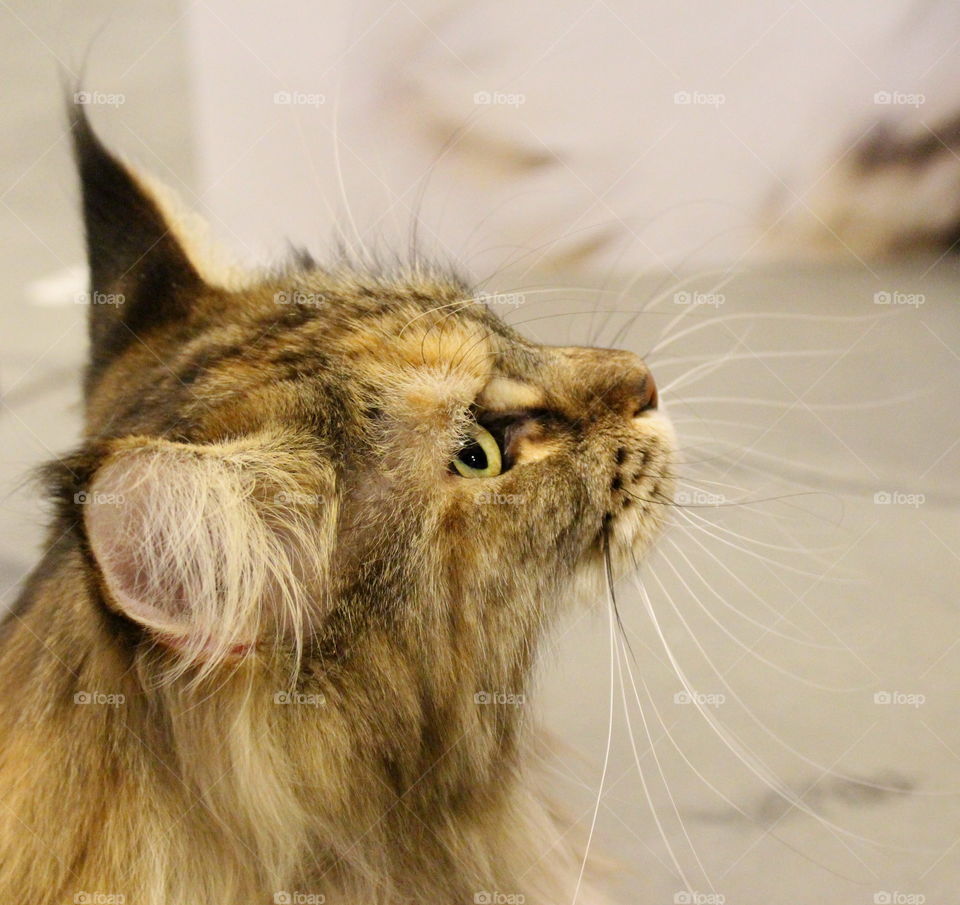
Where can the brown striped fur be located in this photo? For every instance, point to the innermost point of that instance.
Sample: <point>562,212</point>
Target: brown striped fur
<point>342,751</point>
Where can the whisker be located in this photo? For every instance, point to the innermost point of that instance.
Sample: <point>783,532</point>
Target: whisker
<point>761,600</point>
<point>709,367</point>
<point>755,764</point>
<point>688,309</point>
<point>766,559</point>
<point>722,319</point>
<point>718,792</point>
<point>806,550</point>
<point>341,184</point>
<point>652,747</point>
<point>744,504</point>
<point>780,741</point>
<point>545,317</point>
<point>661,363</point>
<point>603,775</point>
<point>816,406</point>
<point>752,504</point>
<point>807,472</point>
<point>660,295</point>
<point>766,628</point>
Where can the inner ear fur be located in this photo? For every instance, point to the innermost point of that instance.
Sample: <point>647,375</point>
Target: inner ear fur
<point>214,548</point>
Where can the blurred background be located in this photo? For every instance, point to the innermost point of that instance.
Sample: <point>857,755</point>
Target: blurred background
<point>763,199</point>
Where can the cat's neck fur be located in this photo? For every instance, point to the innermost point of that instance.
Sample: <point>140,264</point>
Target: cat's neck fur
<point>354,787</point>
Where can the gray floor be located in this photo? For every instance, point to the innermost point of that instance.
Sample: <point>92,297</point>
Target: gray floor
<point>806,592</point>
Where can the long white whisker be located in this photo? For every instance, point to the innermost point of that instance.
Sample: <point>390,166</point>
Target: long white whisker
<point>720,320</point>
<point>339,171</point>
<point>852,482</point>
<point>621,655</point>
<point>766,559</point>
<point>662,363</point>
<point>688,309</point>
<point>718,792</point>
<point>603,775</point>
<point>759,543</point>
<point>773,735</point>
<point>710,367</point>
<point>816,406</point>
<point>745,503</point>
<point>661,295</point>
<point>748,650</point>
<point>760,599</point>
<point>748,758</point>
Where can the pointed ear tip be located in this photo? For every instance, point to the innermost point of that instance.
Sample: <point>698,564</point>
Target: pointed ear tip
<point>86,142</point>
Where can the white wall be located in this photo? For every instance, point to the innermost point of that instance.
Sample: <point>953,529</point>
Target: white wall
<point>596,166</point>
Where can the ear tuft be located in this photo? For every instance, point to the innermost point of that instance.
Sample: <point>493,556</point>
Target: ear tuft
<point>214,550</point>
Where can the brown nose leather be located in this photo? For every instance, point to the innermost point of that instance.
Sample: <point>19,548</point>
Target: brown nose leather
<point>637,394</point>
<point>618,381</point>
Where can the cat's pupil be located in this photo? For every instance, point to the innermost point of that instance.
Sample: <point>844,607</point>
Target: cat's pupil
<point>473,455</point>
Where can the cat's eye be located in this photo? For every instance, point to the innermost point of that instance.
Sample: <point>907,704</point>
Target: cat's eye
<point>480,456</point>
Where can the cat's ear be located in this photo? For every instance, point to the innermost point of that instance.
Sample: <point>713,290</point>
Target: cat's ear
<point>214,549</point>
<point>141,276</point>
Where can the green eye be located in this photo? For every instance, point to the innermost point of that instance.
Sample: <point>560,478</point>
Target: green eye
<point>479,457</point>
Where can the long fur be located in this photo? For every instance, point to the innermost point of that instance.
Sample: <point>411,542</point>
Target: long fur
<point>275,647</point>
<point>212,547</point>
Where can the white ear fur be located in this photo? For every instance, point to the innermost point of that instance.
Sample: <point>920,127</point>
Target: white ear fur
<point>214,262</point>
<point>214,548</point>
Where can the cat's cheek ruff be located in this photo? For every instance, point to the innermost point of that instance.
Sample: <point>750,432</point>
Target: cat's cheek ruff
<point>213,550</point>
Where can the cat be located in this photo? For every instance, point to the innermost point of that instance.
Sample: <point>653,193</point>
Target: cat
<point>297,575</point>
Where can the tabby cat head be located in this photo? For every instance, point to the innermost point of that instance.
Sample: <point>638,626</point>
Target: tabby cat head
<point>290,460</point>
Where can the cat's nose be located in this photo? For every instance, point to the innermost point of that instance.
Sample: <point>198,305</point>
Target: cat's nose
<point>640,394</point>
<point>619,382</point>
<point>636,393</point>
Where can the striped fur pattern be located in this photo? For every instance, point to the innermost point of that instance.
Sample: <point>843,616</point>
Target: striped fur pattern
<point>257,660</point>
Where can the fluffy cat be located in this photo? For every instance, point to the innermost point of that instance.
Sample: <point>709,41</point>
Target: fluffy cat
<point>298,571</point>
